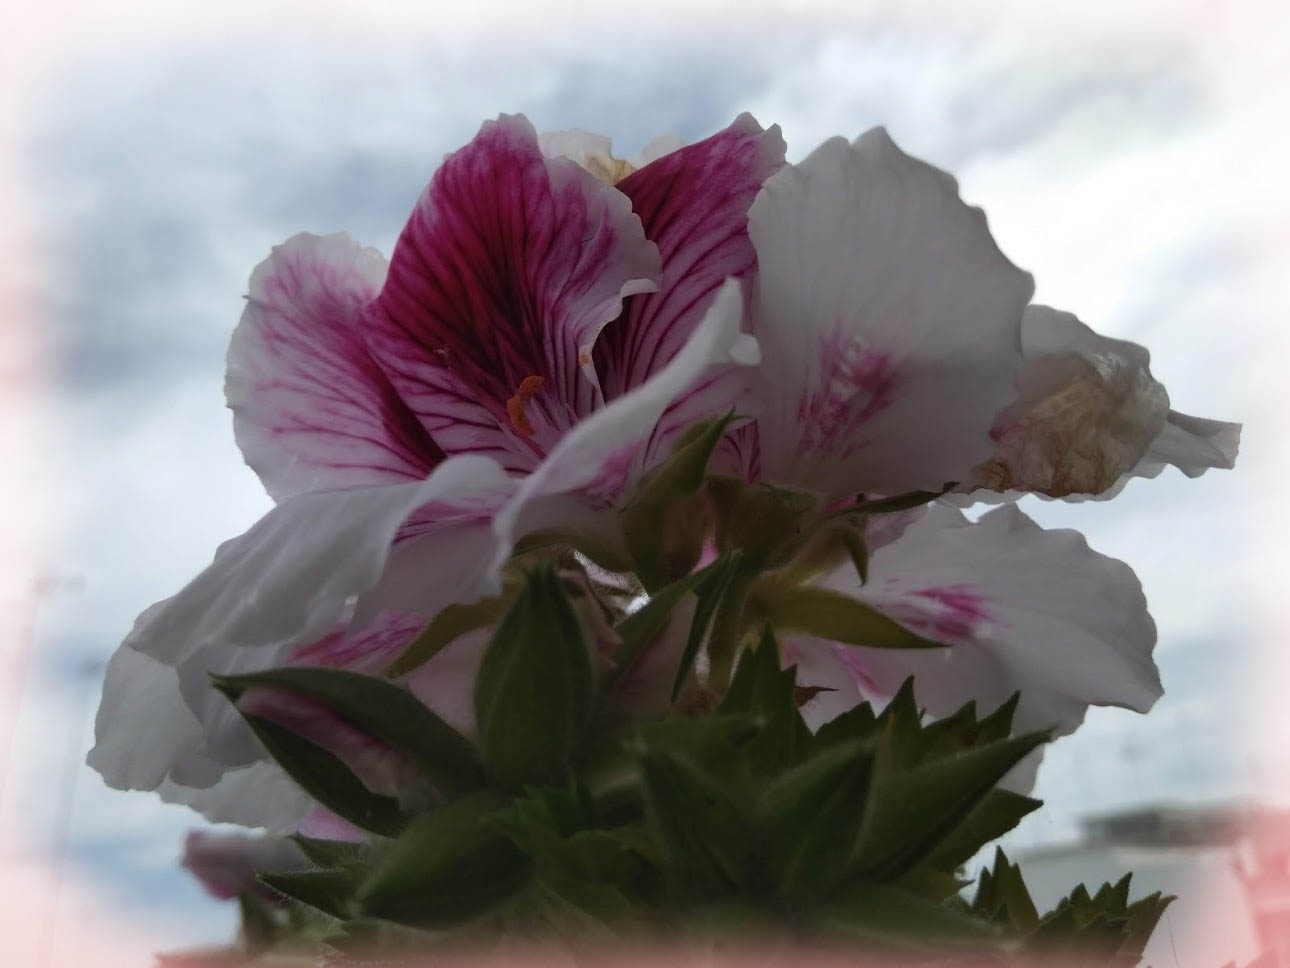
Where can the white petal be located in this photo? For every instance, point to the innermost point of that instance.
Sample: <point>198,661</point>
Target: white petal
<point>1191,444</point>
<point>290,578</point>
<point>288,581</point>
<point>1021,608</point>
<point>260,795</point>
<point>148,739</point>
<point>144,732</point>
<point>889,322</point>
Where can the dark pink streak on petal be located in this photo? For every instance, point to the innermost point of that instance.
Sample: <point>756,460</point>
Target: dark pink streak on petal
<point>951,613</point>
<point>739,454</point>
<point>853,659</point>
<point>322,824</point>
<point>507,270</point>
<point>854,385</point>
<point>611,478</point>
<point>694,203</point>
<point>367,649</point>
<point>312,410</point>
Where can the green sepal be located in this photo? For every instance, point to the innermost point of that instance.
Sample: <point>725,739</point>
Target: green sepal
<point>446,627</point>
<point>346,855</point>
<point>858,551</point>
<point>324,776</point>
<point>330,891</point>
<point>639,630</point>
<point>832,615</point>
<point>770,525</point>
<point>534,690</point>
<point>388,712</point>
<point>663,525</point>
<point>447,868</point>
<point>711,590</point>
<point>897,502</point>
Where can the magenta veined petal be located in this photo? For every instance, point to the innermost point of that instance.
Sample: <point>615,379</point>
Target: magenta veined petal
<point>595,466</point>
<point>311,409</point>
<point>503,278</point>
<point>694,204</point>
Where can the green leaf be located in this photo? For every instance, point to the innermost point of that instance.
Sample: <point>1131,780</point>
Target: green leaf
<point>446,869</point>
<point>809,819</point>
<point>710,591</point>
<point>895,919</point>
<point>832,615</point>
<point>1143,916</point>
<point>1113,898</point>
<point>1003,897</point>
<point>704,838</point>
<point>446,627</point>
<point>327,779</point>
<point>386,711</point>
<point>998,725</point>
<point>533,694</point>
<point>902,731</point>
<point>770,525</point>
<point>857,723</point>
<point>760,688</point>
<point>897,502</point>
<point>328,891</point>
<point>912,811</point>
<point>994,816</point>
<point>580,912</point>
<point>343,854</point>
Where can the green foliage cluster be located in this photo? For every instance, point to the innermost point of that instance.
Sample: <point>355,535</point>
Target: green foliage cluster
<point>717,824</point>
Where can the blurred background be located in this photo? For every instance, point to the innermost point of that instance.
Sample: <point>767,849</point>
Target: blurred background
<point>1134,157</point>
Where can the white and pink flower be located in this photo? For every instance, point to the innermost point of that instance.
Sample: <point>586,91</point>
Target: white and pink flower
<point>552,318</point>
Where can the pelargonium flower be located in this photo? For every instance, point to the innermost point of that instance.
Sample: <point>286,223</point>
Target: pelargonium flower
<point>548,327</point>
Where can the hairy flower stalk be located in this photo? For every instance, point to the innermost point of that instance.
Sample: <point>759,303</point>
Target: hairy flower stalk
<point>617,529</point>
